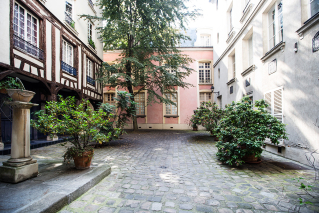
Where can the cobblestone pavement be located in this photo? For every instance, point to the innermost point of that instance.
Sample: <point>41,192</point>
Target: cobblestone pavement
<point>177,171</point>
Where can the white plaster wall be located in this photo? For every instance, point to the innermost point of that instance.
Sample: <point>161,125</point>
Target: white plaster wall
<point>80,68</point>
<point>298,73</point>
<point>48,51</point>
<point>57,55</point>
<point>5,32</point>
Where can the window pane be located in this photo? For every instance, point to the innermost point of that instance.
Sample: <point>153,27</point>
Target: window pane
<point>16,20</point>
<point>314,7</point>
<point>29,28</point>
<point>21,23</point>
<point>34,31</point>
<point>201,76</point>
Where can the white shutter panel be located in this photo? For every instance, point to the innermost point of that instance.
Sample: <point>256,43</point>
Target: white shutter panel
<point>278,104</point>
<point>268,101</point>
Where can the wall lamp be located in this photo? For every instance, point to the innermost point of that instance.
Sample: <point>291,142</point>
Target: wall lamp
<point>212,88</point>
<point>296,47</point>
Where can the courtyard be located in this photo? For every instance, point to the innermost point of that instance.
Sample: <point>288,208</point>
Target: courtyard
<point>178,171</point>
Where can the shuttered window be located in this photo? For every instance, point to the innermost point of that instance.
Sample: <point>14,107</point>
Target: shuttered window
<point>274,100</point>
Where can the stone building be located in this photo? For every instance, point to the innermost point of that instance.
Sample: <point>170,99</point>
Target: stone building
<point>51,49</point>
<point>268,49</point>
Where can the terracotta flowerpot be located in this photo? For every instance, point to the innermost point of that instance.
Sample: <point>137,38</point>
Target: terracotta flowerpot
<point>84,161</point>
<point>250,158</point>
<point>20,95</point>
<point>195,128</point>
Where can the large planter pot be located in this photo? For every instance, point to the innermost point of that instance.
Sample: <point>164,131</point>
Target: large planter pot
<point>20,95</point>
<point>251,159</point>
<point>3,91</point>
<point>195,128</point>
<point>84,161</point>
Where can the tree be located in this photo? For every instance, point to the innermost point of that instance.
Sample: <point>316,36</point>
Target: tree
<point>148,32</point>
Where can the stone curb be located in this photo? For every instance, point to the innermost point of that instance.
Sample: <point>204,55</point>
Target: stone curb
<point>55,201</point>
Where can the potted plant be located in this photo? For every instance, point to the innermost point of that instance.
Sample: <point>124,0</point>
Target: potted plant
<point>243,130</point>
<point>15,89</point>
<point>79,121</point>
<point>208,115</point>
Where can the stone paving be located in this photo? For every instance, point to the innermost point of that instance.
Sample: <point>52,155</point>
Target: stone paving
<point>177,171</point>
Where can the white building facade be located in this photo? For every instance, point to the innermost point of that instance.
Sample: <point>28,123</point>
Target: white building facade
<point>51,49</point>
<point>269,49</point>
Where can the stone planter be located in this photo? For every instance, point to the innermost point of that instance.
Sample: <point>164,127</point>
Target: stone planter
<point>84,161</point>
<point>20,95</point>
<point>3,91</point>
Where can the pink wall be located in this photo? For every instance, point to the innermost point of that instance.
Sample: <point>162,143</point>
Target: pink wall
<point>188,97</point>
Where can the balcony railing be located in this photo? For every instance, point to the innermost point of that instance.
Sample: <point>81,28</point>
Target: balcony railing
<point>69,20</point>
<point>91,3</point>
<point>90,80</point>
<point>27,47</point>
<point>69,69</point>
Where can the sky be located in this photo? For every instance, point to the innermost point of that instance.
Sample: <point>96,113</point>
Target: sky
<point>206,8</point>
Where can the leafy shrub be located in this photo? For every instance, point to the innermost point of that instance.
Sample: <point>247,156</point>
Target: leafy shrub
<point>11,83</point>
<point>207,115</point>
<point>243,130</point>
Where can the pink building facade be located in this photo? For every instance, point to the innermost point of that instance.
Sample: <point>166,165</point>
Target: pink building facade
<point>160,116</point>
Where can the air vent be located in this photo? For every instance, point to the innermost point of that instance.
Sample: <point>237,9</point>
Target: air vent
<point>171,127</point>
<point>150,127</point>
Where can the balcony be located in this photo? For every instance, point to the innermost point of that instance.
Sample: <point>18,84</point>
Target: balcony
<point>27,47</point>
<point>90,80</point>
<point>67,68</point>
<point>69,20</point>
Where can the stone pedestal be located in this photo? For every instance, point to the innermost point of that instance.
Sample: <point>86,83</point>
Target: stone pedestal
<point>20,166</point>
<point>1,146</point>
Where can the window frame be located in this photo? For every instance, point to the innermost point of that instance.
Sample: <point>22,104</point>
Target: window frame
<point>25,25</point>
<point>274,26</point>
<point>90,30</point>
<point>171,106</point>
<point>140,103</point>
<point>205,40</point>
<point>205,97</point>
<point>65,42</point>
<point>91,68</point>
<point>205,72</point>
<point>111,102</point>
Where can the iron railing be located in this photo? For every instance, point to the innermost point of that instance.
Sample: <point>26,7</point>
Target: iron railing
<point>90,80</point>
<point>91,3</point>
<point>67,68</point>
<point>27,47</point>
<point>69,20</point>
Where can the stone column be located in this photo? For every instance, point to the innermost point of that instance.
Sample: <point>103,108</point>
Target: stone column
<point>20,166</point>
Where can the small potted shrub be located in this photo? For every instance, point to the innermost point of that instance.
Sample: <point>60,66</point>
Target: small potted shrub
<point>243,130</point>
<point>208,115</point>
<point>15,89</point>
<point>79,121</point>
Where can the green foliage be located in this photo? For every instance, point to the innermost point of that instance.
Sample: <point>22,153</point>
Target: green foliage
<point>119,114</point>
<point>79,121</point>
<point>72,24</point>
<point>207,115</point>
<point>148,32</point>
<point>11,83</point>
<point>243,130</point>
<point>91,43</point>
<point>306,189</point>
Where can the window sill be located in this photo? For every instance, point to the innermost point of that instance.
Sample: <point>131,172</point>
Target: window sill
<point>231,81</point>
<point>248,70</point>
<point>271,52</point>
<point>71,28</point>
<point>66,72</point>
<point>140,116</point>
<point>230,36</point>
<point>205,83</point>
<point>309,23</point>
<point>171,116</point>
<point>271,144</point>
<point>245,12</point>
<point>92,49</point>
<point>28,54</point>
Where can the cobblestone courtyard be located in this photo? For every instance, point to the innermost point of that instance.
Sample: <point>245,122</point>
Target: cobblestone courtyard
<point>176,171</point>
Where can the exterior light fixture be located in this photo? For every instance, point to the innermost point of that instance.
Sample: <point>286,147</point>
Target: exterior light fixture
<point>212,88</point>
<point>296,47</point>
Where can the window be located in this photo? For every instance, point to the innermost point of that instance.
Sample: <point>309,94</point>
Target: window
<point>68,14</point>
<point>67,53</point>
<point>275,25</point>
<point>217,38</point>
<point>205,40</point>
<point>231,90</point>
<point>90,27</point>
<point>250,52</point>
<point>109,98</point>
<point>204,73</point>
<point>231,19</point>
<point>274,100</point>
<point>218,72</point>
<point>314,7</point>
<point>25,25</point>
<point>89,72</point>
<point>140,103</point>
<point>234,66</point>
<point>216,4</point>
<point>171,109</point>
<point>205,97</point>
<point>170,69</point>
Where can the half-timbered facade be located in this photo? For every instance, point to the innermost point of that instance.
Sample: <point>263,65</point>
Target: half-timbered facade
<point>51,49</point>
